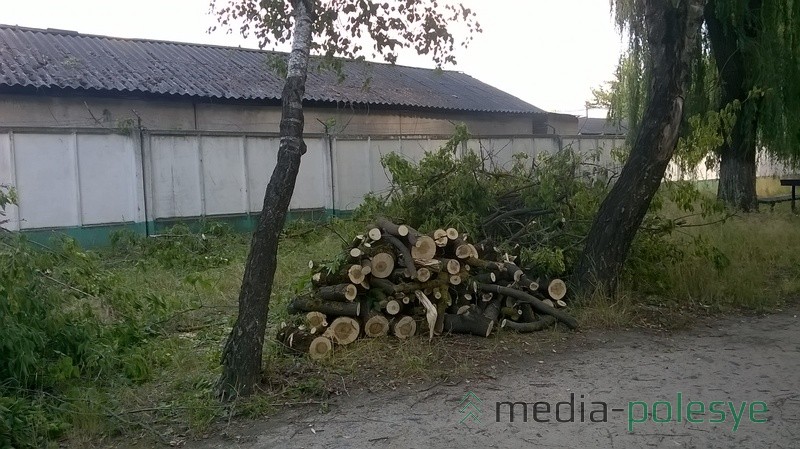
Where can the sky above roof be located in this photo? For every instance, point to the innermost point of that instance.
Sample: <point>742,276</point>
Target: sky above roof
<point>548,53</point>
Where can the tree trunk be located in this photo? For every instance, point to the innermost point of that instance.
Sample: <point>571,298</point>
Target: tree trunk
<point>242,355</point>
<point>671,32</point>
<point>737,169</point>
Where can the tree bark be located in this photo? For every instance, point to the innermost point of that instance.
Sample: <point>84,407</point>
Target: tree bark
<point>671,32</point>
<point>737,169</point>
<point>242,354</point>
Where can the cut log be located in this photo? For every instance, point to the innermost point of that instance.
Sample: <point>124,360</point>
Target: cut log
<point>374,234</point>
<point>453,265</point>
<point>534,326</point>
<point>382,265</point>
<point>343,330</point>
<point>391,228</point>
<point>423,274</point>
<point>561,303</point>
<point>492,310</point>
<point>556,289</point>
<point>340,292</point>
<point>316,320</point>
<point>452,233</point>
<point>424,248</point>
<point>376,325</point>
<point>305,342</point>
<point>468,323</point>
<point>440,238</point>
<point>403,327</point>
<point>513,272</point>
<point>486,278</point>
<point>403,251</point>
<point>355,274</point>
<point>538,305</point>
<point>393,307</point>
<point>366,267</point>
<point>307,303</point>
<point>463,251</point>
<point>355,253</point>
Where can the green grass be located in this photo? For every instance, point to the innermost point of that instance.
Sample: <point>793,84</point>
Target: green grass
<point>169,392</point>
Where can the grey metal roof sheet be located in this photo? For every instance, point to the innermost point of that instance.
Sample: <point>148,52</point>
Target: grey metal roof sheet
<point>59,59</point>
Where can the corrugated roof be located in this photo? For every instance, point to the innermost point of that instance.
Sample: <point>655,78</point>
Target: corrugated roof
<point>61,59</point>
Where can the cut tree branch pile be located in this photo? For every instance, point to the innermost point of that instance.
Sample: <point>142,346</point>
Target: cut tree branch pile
<point>394,280</point>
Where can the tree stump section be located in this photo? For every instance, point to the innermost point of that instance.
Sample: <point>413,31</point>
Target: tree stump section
<point>403,327</point>
<point>343,330</point>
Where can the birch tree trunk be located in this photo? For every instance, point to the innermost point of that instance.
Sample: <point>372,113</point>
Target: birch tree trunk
<point>672,27</point>
<point>242,355</point>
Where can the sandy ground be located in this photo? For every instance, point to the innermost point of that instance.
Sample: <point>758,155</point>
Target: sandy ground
<point>738,359</point>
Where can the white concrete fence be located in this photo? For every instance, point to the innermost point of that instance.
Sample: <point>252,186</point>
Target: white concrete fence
<point>89,178</point>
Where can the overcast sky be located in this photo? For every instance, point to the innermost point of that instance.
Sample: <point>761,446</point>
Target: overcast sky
<point>547,52</point>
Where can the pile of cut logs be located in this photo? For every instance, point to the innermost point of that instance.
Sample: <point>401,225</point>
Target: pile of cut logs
<point>396,280</point>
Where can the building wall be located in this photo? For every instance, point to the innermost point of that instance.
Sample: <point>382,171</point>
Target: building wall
<point>26,111</point>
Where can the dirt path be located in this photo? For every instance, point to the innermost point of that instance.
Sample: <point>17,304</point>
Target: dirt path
<point>738,359</point>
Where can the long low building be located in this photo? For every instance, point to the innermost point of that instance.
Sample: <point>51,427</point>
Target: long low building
<point>99,133</point>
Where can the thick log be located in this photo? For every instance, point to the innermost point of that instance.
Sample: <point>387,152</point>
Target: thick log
<point>403,327</point>
<point>307,303</point>
<point>374,234</point>
<point>341,292</point>
<point>468,323</point>
<point>355,274</point>
<point>453,265</point>
<point>391,228</point>
<point>376,325</point>
<point>452,233</point>
<point>538,305</point>
<point>424,248</point>
<point>492,310</point>
<point>305,342</point>
<point>423,274</point>
<point>534,326</point>
<point>316,320</point>
<point>554,289</point>
<point>343,330</point>
<point>382,265</point>
<point>393,306</point>
<point>440,238</point>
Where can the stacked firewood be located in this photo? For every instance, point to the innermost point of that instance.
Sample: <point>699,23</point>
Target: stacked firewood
<point>397,281</point>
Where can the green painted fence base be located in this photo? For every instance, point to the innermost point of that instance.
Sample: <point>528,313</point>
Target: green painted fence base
<point>100,235</point>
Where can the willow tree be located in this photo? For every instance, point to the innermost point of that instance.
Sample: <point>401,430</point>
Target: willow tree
<point>670,30</point>
<point>329,28</point>
<point>745,89</point>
